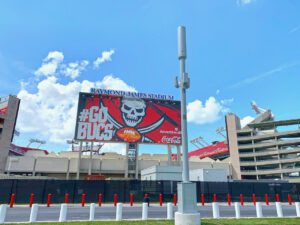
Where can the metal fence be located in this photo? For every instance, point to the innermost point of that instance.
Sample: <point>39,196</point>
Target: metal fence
<point>123,188</point>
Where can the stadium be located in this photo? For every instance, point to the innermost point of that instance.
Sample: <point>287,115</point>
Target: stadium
<point>258,151</point>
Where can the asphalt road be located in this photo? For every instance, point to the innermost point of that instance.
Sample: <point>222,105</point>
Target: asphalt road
<point>108,212</point>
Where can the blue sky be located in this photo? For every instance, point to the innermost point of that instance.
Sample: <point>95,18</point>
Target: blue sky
<point>238,51</point>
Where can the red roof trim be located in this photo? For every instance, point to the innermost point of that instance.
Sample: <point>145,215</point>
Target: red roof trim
<point>25,149</point>
<point>215,149</point>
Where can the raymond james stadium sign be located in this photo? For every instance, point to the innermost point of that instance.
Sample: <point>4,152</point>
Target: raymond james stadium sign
<point>131,94</point>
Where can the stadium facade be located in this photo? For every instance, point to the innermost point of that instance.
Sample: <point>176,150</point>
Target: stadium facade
<point>106,166</point>
<point>265,148</point>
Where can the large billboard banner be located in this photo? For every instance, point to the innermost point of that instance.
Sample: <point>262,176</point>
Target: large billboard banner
<point>123,118</point>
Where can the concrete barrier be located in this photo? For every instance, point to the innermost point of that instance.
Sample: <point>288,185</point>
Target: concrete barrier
<point>297,205</point>
<point>216,210</point>
<point>258,207</point>
<point>119,211</point>
<point>170,211</point>
<point>63,212</point>
<point>279,209</point>
<point>3,209</point>
<point>237,210</point>
<point>92,211</point>
<point>145,211</point>
<point>33,213</point>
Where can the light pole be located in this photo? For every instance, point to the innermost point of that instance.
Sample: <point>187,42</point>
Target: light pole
<point>38,141</point>
<point>72,142</point>
<point>187,199</point>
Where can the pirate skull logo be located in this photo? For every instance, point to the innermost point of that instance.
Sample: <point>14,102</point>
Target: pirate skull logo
<point>133,111</point>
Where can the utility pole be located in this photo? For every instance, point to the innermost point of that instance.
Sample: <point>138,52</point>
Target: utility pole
<point>187,199</point>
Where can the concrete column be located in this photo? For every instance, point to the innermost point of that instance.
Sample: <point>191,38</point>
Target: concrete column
<point>178,154</point>
<point>34,167</point>
<point>170,211</point>
<point>126,161</point>
<point>63,212</point>
<point>169,155</point>
<point>237,210</point>
<point>68,170</point>
<point>259,213</point>
<point>79,161</point>
<point>119,211</point>
<point>216,210</point>
<point>3,209</point>
<point>91,159</point>
<point>33,213</point>
<point>297,205</point>
<point>279,209</point>
<point>92,211</point>
<point>100,167</point>
<point>137,162</point>
<point>8,128</point>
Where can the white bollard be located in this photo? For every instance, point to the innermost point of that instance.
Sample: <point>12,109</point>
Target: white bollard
<point>92,211</point>
<point>279,209</point>
<point>33,213</point>
<point>170,211</point>
<point>119,211</point>
<point>63,212</point>
<point>297,205</point>
<point>237,210</point>
<point>259,213</point>
<point>216,210</point>
<point>3,209</point>
<point>145,211</point>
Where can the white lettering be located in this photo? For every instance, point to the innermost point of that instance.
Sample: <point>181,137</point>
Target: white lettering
<point>81,133</point>
<point>171,140</point>
<point>93,114</point>
<point>131,94</point>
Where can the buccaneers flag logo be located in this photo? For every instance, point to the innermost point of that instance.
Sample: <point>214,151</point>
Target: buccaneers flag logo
<point>135,120</point>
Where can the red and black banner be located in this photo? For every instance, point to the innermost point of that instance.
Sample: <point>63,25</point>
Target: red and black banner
<point>111,118</point>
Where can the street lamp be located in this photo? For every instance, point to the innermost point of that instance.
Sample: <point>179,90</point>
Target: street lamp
<point>40,142</point>
<point>187,199</point>
<point>220,131</point>
<point>72,142</point>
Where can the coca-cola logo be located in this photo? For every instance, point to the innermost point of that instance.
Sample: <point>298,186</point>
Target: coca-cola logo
<point>171,140</point>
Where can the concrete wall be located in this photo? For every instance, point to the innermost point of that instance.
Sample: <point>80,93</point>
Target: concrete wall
<point>20,164</point>
<point>162,173</point>
<point>232,125</point>
<point>214,175</point>
<point>110,167</point>
<point>55,165</point>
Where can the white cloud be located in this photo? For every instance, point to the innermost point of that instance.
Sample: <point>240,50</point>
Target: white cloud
<point>50,111</point>
<point>217,91</point>
<point>244,2</point>
<point>105,56</point>
<point>295,29</point>
<point>74,69</point>
<point>50,64</point>
<point>114,83</point>
<point>246,120</point>
<point>207,113</point>
<point>114,147</point>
